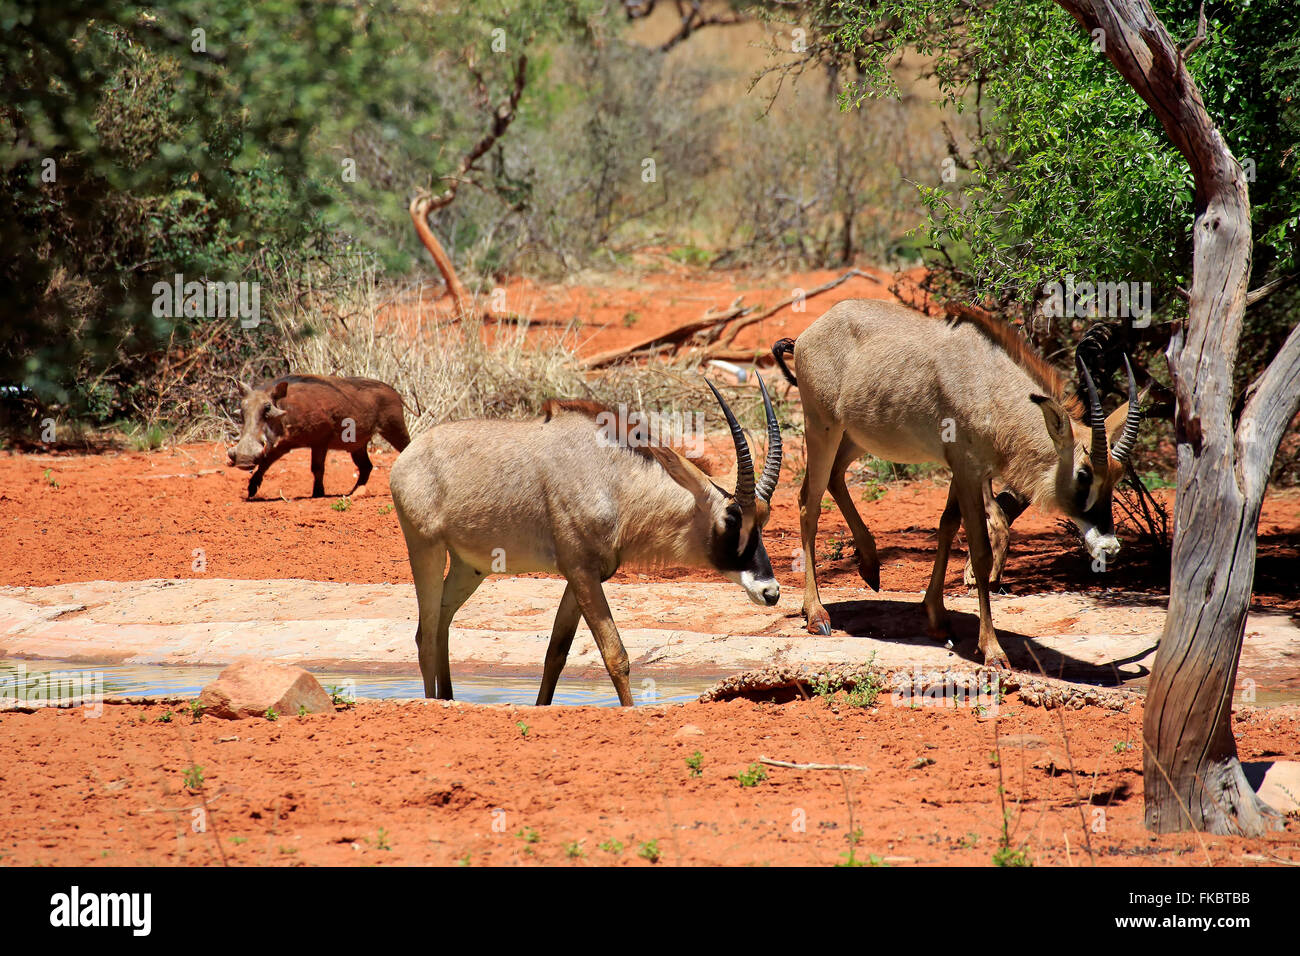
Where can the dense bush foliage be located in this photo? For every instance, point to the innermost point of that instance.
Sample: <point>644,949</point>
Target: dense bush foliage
<point>1068,173</point>
<point>214,139</point>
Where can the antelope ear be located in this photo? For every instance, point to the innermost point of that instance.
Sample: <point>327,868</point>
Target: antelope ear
<point>276,411</point>
<point>1115,424</point>
<point>1115,420</point>
<point>1058,423</point>
<point>244,389</point>
<point>680,470</point>
<point>281,389</point>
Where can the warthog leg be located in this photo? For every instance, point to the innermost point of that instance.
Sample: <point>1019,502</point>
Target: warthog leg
<point>269,457</point>
<point>318,470</point>
<point>364,467</point>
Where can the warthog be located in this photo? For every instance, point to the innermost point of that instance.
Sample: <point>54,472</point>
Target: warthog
<point>319,412</point>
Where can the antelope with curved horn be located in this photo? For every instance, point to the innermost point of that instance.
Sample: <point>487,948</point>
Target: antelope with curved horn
<point>879,377</point>
<point>569,495</point>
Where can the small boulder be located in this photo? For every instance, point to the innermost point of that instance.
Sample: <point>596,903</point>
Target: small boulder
<point>249,688</point>
<point>1277,783</point>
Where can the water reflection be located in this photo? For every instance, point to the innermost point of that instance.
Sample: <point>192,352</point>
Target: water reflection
<point>131,680</point>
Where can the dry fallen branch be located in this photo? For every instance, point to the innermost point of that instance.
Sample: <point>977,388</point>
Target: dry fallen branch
<point>804,296</point>
<point>706,326</point>
<point>810,766</point>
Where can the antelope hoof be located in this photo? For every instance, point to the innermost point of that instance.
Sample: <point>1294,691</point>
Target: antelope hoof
<point>997,660</point>
<point>870,571</point>
<point>942,632</point>
<point>819,622</point>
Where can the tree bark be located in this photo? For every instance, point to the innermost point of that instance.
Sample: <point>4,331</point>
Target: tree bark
<point>1192,777</point>
<point>420,208</point>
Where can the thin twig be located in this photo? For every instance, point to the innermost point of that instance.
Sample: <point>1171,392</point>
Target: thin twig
<point>811,766</point>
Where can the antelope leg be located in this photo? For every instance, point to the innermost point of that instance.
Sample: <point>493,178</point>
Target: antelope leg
<point>949,521</point>
<point>566,624</point>
<point>1003,509</point>
<point>462,580</point>
<point>822,443</point>
<point>973,514</point>
<point>427,561</point>
<point>595,610</point>
<point>868,562</point>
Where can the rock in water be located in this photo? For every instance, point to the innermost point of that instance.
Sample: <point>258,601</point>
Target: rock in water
<point>1280,788</point>
<point>249,688</point>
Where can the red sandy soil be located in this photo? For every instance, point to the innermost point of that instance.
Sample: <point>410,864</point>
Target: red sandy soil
<point>125,516</point>
<point>391,783</point>
<point>129,516</point>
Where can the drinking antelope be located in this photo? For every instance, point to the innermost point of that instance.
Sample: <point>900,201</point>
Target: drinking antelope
<point>571,495</point>
<point>879,377</point>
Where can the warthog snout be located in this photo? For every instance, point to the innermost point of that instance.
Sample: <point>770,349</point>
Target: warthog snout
<point>245,455</point>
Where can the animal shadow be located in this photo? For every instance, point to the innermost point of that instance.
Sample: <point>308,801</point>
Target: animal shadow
<point>905,622</point>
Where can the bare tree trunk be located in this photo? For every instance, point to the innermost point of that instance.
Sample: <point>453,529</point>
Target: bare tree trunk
<point>420,208</point>
<point>1192,777</point>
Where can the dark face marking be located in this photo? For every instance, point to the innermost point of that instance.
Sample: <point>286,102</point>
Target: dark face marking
<point>750,560</point>
<point>1099,515</point>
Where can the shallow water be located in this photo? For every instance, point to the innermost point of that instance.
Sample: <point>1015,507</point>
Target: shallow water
<point>45,678</point>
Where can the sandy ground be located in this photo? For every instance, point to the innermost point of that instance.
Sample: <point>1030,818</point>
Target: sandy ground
<point>391,783</point>
<point>129,516</point>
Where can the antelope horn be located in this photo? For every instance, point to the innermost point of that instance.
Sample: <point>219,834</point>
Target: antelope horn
<point>1128,437</point>
<point>772,465</point>
<point>744,493</point>
<point>1099,455</point>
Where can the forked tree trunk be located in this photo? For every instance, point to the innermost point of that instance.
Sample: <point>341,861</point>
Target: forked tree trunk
<point>1192,777</point>
<point>419,209</point>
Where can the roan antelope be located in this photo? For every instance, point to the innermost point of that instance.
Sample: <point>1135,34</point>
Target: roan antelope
<point>879,377</point>
<point>570,494</point>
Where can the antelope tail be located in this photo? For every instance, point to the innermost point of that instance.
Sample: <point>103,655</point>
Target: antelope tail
<point>779,349</point>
